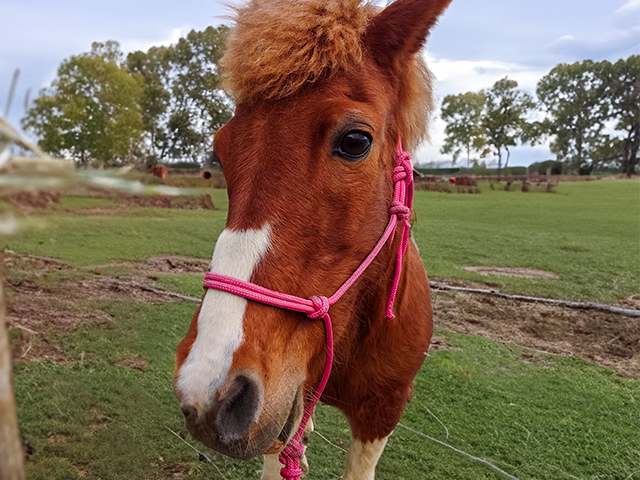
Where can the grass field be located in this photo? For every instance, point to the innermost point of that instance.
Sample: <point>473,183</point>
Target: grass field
<point>534,415</point>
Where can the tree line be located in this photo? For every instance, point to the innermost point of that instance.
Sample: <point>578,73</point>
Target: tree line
<point>148,107</point>
<point>165,104</point>
<point>589,111</point>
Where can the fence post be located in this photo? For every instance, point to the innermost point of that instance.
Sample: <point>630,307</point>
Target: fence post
<point>11,454</point>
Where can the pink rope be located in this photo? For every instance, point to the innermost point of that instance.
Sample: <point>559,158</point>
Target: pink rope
<point>318,306</point>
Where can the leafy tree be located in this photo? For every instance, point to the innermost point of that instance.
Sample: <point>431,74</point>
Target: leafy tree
<point>153,68</point>
<point>183,104</point>
<point>504,119</point>
<point>622,87</point>
<point>92,109</point>
<point>574,97</point>
<point>463,114</point>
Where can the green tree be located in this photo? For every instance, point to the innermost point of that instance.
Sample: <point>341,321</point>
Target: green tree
<point>463,114</point>
<point>622,87</point>
<point>574,97</point>
<point>92,109</point>
<point>153,68</point>
<point>183,104</point>
<point>504,119</point>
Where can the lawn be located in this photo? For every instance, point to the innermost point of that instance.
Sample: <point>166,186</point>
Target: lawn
<point>531,414</point>
<point>588,233</point>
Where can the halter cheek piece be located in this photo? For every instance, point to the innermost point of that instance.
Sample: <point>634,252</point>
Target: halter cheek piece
<point>318,306</point>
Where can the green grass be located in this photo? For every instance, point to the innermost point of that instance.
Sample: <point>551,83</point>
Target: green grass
<point>135,234</point>
<point>533,415</point>
<point>587,232</point>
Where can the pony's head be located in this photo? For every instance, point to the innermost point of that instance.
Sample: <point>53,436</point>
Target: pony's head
<point>324,89</point>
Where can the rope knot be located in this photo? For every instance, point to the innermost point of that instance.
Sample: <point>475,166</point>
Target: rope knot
<point>320,306</point>
<point>402,211</point>
<point>403,169</point>
<point>290,458</point>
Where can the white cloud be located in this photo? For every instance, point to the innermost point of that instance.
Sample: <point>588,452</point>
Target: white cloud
<point>624,36</point>
<point>454,77</point>
<point>144,44</point>
<point>596,48</point>
<point>627,16</point>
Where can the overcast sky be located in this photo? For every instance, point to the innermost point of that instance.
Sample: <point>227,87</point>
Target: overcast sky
<point>474,44</point>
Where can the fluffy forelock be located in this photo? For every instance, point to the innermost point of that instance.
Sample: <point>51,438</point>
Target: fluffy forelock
<point>275,47</point>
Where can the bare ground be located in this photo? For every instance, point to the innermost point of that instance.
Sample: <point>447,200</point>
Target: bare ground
<point>42,312</point>
<point>607,339</point>
<point>30,202</point>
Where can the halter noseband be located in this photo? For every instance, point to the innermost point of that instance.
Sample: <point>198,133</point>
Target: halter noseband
<point>318,306</point>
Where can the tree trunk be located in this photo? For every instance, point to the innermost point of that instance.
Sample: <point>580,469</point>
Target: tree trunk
<point>11,454</point>
<point>631,147</point>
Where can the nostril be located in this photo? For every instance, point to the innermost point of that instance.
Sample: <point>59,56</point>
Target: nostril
<point>239,410</point>
<point>190,413</point>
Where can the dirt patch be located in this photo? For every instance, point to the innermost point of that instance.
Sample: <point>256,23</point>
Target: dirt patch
<point>99,421</point>
<point>438,343</point>
<point>43,314</point>
<point>57,439</point>
<point>184,202</point>
<point>30,202</point>
<point>606,339</point>
<point>175,264</point>
<point>512,272</point>
<point>32,263</point>
<point>177,470</point>
<point>44,311</point>
<point>27,202</point>
<point>135,363</point>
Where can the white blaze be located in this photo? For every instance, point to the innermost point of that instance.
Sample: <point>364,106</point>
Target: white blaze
<point>220,320</point>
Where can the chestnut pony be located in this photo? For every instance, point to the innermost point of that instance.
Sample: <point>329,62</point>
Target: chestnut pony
<point>324,91</point>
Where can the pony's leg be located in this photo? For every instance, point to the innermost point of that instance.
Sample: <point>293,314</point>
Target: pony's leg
<point>306,439</point>
<point>362,459</point>
<point>272,465</point>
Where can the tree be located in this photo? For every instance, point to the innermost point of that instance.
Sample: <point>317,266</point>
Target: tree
<point>463,114</point>
<point>183,104</point>
<point>504,119</point>
<point>622,86</point>
<point>574,97</point>
<point>92,109</point>
<point>153,68</point>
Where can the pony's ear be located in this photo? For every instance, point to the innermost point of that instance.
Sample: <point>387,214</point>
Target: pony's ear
<point>401,29</point>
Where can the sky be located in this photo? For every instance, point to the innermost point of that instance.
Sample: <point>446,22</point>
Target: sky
<point>474,44</point>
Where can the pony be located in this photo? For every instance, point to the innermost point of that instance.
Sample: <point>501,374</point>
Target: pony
<point>325,92</point>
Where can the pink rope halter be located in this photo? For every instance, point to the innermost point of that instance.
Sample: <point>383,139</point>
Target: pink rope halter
<point>317,307</point>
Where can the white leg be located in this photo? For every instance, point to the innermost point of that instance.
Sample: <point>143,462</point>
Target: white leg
<point>363,458</point>
<point>272,468</point>
<point>304,463</point>
<point>272,465</point>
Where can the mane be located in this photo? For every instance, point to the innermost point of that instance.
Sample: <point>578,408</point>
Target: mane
<point>276,47</point>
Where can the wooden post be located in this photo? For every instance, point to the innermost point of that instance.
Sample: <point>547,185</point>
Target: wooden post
<point>11,454</point>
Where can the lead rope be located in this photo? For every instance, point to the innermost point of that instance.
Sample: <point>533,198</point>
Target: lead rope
<point>318,306</point>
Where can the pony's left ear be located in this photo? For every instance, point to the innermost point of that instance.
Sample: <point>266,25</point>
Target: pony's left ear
<point>400,30</point>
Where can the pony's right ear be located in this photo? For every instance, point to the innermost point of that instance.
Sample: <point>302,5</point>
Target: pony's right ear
<point>400,30</point>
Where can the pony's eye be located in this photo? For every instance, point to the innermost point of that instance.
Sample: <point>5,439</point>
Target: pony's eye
<point>355,145</point>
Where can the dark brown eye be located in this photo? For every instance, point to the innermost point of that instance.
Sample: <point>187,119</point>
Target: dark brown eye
<point>355,145</point>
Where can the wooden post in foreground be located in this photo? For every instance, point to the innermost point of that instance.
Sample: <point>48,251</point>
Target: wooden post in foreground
<point>11,454</point>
